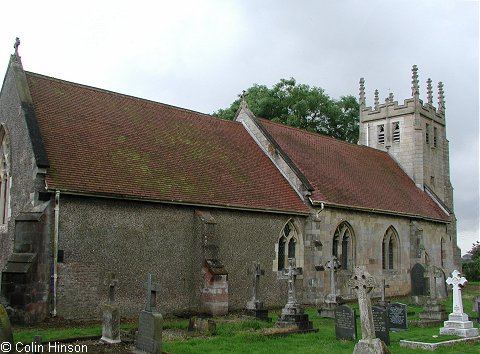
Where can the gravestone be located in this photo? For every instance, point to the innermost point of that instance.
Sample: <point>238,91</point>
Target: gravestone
<point>293,315</point>
<point>332,300</point>
<point>255,306</point>
<point>6,334</point>
<point>458,323</point>
<point>149,336</point>
<point>111,314</point>
<point>433,311</point>
<point>418,283</point>
<point>476,307</point>
<point>362,284</point>
<point>202,326</point>
<point>345,323</point>
<point>397,316</point>
<point>380,323</point>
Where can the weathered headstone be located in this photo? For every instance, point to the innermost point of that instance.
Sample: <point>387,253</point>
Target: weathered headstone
<point>380,323</point>
<point>476,307</point>
<point>255,306</point>
<point>111,314</point>
<point>149,336</point>
<point>418,283</point>
<point>362,284</point>
<point>433,311</point>
<point>397,316</point>
<point>458,323</point>
<point>332,300</point>
<point>202,326</point>
<point>293,315</point>
<point>6,334</point>
<point>345,323</point>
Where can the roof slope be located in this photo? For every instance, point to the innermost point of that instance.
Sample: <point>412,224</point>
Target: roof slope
<point>104,143</point>
<point>352,175</point>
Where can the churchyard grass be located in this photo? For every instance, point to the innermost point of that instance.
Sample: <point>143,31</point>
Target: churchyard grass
<point>239,335</point>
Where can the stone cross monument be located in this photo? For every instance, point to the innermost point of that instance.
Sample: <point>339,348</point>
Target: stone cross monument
<point>111,314</point>
<point>293,315</point>
<point>332,300</point>
<point>362,284</point>
<point>149,336</point>
<point>458,323</point>
<point>255,306</point>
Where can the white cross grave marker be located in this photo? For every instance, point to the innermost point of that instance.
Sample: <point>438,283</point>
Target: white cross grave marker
<point>456,282</point>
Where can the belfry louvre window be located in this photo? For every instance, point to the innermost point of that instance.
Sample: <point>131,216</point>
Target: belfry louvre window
<point>427,133</point>
<point>435,132</point>
<point>381,134</point>
<point>396,132</point>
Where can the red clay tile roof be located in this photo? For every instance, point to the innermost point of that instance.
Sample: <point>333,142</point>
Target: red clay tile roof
<point>352,175</point>
<point>104,143</point>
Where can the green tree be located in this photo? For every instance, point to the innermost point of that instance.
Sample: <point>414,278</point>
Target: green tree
<point>301,106</point>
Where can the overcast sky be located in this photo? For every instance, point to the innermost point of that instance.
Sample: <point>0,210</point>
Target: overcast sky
<point>201,54</point>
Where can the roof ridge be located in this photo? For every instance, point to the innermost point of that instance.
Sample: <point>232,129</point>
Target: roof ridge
<point>323,136</point>
<point>166,105</point>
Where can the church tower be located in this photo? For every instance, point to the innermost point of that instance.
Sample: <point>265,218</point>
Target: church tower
<point>414,135</point>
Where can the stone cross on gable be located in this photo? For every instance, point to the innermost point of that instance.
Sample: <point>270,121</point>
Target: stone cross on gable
<point>256,273</point>
<point>152,289</point>
<point>363,283</point>
<point>16,45</point>
<point>290,274</point>
<point>111,282</point>
<point>456,282</point>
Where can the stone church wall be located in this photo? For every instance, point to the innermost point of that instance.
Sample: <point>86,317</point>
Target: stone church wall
<point>369,230</point>
<point>135,238</point>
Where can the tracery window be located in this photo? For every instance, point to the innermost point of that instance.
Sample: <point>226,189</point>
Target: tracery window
<point>287,245</point>
<point>390,250</point>
<point>343,246</point>
<point>5,179</point>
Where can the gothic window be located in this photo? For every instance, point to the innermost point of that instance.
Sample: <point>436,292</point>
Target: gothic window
<point>287,246</point>
<point>427,133</point>
<point>435,132</point>
<point>343,246</point>
<point>5,180</point>
<point>381,134</point>
<point>396,132</point>
<point>390,250</point>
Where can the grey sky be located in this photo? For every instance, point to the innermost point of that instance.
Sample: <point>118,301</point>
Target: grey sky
<point>201,54</point>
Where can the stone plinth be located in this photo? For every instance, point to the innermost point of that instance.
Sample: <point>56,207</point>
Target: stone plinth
<point>433,311</point>
<point>149,336</point>
<point>111,324</point>
<point>294,317</point>
<point>459,325</point>
<point>370,346</point>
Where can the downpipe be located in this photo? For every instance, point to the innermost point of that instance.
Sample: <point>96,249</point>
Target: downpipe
<point>55,253</point>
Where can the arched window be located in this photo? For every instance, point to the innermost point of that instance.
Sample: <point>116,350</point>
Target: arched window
<point>287,245</point>
<point>5,180</point>
<point>390,249</point>
<point>343,246</point>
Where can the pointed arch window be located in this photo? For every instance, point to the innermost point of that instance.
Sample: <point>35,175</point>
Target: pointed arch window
<point>442,253</point>
<point>287,246</point>
<point>5,179</point>
<point>343,245</point>
<point>390,250</point>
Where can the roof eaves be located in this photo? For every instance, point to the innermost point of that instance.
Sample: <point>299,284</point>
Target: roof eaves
<point>379,211</point>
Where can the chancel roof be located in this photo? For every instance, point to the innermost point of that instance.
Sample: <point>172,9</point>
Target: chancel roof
<point>344,174</point>
<point>104,143</point>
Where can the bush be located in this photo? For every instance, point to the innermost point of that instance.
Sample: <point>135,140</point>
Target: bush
<point>471,270</point>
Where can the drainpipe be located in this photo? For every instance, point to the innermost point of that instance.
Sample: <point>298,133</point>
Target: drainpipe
<point>55,252</point>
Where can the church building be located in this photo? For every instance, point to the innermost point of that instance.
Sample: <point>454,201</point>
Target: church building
<point>93,181</point>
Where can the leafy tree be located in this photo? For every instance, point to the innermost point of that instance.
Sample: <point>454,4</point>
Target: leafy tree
<point>475,251</point>
<point>301,106</point>
<point>471,269</point>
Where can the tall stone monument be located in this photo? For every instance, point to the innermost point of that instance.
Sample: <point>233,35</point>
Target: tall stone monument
<point>255,306</point>
<point>458,323</point>
<point>149,336</point>
<point>111,314</point>
<point>293,315</point>
<point>362,284</point>
<point>332,300</point>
